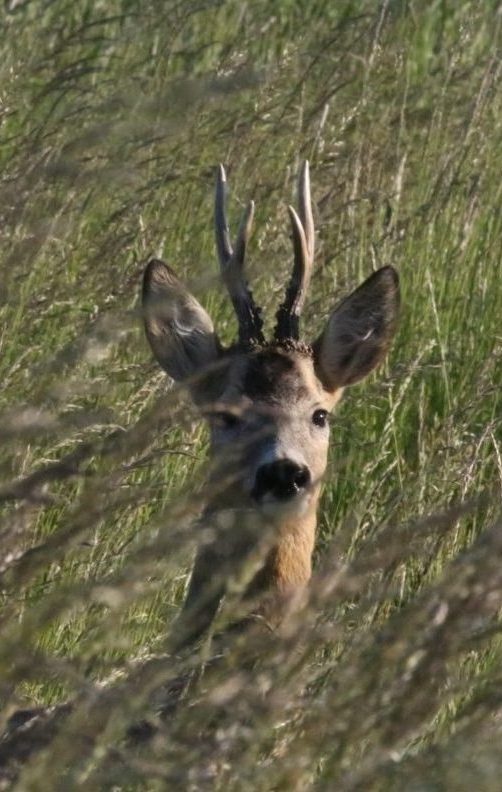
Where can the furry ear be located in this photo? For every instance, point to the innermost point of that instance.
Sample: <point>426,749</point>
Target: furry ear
<point>178,328</point>
<point>359,331</point>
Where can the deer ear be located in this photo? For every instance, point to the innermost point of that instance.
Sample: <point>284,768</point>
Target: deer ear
<point>178,328</point>
<point>359,331</point>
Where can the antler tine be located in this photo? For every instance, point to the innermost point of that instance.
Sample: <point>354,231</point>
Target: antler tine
<point>302,227</point>
<point>305,205</point>
<point>232,265</point>
<point>220,219</point>
<point>242,240</point>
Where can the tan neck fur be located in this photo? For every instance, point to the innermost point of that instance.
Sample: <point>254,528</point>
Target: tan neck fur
<point>289,564</point>
<point>279,569</point>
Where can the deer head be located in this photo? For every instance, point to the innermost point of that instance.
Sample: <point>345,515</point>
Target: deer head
<point>267,402</point>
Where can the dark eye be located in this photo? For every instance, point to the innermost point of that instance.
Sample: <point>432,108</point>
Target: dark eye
<point>226,420</point>
<point>320,418</point>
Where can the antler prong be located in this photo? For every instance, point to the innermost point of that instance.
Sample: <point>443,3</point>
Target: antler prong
<point>305,206</point>
<point>220,218</point>
<point>302,226</point>
<point>243,235</point>
<point>232,264</point>
<point>298,233</point>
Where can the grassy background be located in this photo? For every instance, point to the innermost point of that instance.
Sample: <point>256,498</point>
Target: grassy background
<point>113,117</point>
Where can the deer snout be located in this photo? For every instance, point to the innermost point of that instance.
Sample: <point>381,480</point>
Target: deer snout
<point>282,479</point>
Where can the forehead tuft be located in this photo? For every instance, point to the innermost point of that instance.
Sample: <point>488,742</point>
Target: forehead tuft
<point>291,345</point>
<point>274,373</point>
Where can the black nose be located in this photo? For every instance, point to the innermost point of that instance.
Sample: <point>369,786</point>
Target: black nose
<point>283,479</point>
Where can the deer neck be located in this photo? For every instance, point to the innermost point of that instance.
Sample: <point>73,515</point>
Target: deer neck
<point>289,562</point>
<point>282,547</point>
<point>279,587</point>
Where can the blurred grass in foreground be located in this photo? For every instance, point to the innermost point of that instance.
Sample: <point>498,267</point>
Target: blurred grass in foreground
<point>113,117</point>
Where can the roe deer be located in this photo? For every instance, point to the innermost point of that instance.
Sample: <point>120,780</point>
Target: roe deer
<point>267,403</point>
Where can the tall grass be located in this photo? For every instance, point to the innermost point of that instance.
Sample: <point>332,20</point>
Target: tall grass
<point>114,115</point>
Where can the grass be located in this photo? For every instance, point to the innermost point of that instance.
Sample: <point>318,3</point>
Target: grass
<point>113,117</point>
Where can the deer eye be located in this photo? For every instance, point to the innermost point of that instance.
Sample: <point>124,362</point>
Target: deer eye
<point>320,418</point>
<point>226,420</point>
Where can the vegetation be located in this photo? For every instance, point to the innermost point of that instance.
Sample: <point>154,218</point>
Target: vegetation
<point>114,114</point>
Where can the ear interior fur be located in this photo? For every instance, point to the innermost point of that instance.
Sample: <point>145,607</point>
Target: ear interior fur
<point>359,331</point>
<point>178,328</point>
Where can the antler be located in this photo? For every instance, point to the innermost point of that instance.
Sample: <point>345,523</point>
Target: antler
<point>232,265</point>
<point>302,226</point>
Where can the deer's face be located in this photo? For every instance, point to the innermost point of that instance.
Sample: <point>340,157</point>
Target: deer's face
<point>268,403</point>
<point>270,430</point>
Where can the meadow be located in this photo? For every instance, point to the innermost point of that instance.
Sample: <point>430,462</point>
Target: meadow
<point>114,115</point>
